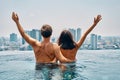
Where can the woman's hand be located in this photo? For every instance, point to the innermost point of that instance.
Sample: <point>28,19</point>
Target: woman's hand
<point>97,19</point>
<point>15,17</point>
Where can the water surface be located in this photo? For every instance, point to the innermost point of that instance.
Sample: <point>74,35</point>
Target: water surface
<point>90,65</point>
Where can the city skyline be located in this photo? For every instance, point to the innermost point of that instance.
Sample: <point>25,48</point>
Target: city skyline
<point>93,42</point>
<point>76,33</point>
<point>61,15</point>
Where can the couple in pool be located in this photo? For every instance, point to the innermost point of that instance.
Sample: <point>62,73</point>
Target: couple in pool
<point>47,53</point>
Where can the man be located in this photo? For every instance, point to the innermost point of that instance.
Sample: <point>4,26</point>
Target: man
<point>45,51</point>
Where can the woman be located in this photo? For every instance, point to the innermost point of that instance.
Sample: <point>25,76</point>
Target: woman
<point>68,46</point>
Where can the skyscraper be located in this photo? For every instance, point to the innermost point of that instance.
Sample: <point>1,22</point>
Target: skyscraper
<point>34,34</point>
<point>73,31</point>
<point>93,41</point>
<point>13,37</point>
<point>99,37</point>
<point>78,33</point>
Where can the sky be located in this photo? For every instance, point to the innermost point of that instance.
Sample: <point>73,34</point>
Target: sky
<point>61,14</point>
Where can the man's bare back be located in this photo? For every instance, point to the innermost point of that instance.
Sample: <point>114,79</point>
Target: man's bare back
<point>44,52</point>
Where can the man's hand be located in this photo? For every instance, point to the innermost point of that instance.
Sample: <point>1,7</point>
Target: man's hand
<point>15,17</point>
<point>97,19</point>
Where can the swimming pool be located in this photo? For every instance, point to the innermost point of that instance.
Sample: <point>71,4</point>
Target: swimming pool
<point>90,65</point>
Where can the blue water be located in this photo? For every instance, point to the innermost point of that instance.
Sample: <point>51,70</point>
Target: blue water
<point>90,65</point>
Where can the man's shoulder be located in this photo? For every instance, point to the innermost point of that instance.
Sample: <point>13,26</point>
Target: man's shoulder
<point>55,44</point>
<point>37,43</point>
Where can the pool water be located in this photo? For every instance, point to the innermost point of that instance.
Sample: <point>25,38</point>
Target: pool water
<point>90,65</point>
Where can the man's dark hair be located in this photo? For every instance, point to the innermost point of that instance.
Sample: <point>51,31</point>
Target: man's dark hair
<point>46,31</point>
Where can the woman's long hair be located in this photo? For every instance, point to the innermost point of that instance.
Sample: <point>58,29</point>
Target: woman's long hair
<point>65,41</point>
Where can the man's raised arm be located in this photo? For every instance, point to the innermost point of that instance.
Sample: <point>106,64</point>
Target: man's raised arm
<point>29,39</point>
<point>96,20</point>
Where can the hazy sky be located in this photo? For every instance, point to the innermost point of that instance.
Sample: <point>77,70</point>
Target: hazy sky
<point>61,14</point>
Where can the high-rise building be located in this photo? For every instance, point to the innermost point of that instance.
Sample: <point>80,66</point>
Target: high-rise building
<point>34,34</point>
<point>99,37</point>
<point>78,33</point>
<point>73,31</point>
<point>53,39</point>
<point>13,37</point>
<point>93,41</point>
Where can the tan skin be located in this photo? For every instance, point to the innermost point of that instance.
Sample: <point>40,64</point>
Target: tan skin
<point>71,53</point>
<point>45,51</point>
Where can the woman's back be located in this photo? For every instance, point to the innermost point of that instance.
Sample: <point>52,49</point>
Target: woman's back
<point>69,53</point>
<point>67,45</point>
